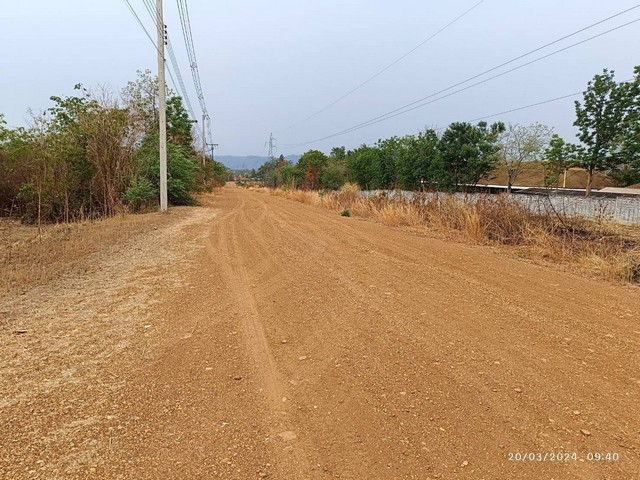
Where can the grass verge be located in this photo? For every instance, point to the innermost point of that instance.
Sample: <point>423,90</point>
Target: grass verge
<point>31,256</point>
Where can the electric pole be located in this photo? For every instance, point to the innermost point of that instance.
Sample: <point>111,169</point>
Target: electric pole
<point>162,98</point>
<point>204,143</point>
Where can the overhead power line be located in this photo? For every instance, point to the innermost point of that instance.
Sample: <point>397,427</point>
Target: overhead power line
<point>151,10</point>
<point>517,109</point>
<point>135,14</point>
<point>525,107</point>
<point>185,21</point>
<point>384,69</point>
<point>421,102</point>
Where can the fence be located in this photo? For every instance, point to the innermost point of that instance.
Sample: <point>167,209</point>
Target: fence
<point>622,209</point>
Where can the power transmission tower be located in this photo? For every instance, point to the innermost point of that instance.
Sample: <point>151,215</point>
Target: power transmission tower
<point>272,147</point>
<point>204,142</point>
<point>162,97</point>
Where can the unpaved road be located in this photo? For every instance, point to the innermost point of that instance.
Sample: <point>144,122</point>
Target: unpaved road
<point>257,337</point>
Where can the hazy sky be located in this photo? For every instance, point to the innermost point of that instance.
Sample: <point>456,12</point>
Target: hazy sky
<point>267,65</point>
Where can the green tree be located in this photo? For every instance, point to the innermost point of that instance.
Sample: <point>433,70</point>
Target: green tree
<point>362,165</point>
<point>627,145</point>
<point>310,168</point>
<point>416,158</point>
<point>599,119</point>
<point>385,167</point>
<point>467,153</point>
<point>179,125</point>
<point>559,156</point>
<point>334,174</point>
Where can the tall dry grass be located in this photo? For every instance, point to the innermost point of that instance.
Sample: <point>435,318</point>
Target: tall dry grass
<point>605,249</point>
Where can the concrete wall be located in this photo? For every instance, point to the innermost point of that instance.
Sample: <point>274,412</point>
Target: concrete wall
<point>621,209</point>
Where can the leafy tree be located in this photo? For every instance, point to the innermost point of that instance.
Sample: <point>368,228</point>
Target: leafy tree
<point>334,174</point>
<point>362,167</point>
<point>288,173</point>
<point>141,100</point>
<point>179,125</point>
<point>338,153</point>
<point>416,158</point>
<point>520,144</point>
<point>627,145</point>
<point>599,118</point>
<point>181,170</point>
<point>559,157</point>
<point>385,167</point>
<point>468,153</point>
<point>310,168</point>
<point>271,172</point>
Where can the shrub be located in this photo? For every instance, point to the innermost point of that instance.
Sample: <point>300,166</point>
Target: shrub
<point>140,195</point>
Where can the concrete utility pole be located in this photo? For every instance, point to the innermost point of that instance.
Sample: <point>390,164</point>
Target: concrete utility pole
<point>162,98</point>
<point>204,143</point>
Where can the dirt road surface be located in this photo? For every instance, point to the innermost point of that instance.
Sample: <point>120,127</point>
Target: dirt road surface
<point>256,337</point>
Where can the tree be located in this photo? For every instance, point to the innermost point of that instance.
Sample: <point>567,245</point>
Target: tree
<point>416,159</point>
<point>362,167</point>
<point>310,167</point>
<point>627,145</point>
<point>468,153</point>
<point>385,167</point>
<point>520,144</point>
<point>559,157</point>
<point>334,174</point>
<point>140,97</point>
<point>599,119</point>
<point>179,125</point>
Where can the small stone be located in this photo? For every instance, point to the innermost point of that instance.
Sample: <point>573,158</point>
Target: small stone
<point>288,436</point>
<point>464,464</point>
<point>262,475</point>
<point>517,390</point>
<point>586,433</point>
<point>283,341</point>
<point>237,377</point>
<point>496,362</point>
<point>576,412</point>
<point>21,331</point>
<point>303,357</point>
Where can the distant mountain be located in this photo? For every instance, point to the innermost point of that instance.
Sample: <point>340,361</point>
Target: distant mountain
<point>234,162</point>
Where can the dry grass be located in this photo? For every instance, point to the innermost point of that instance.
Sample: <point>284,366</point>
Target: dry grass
<point>605,249</point>
<point>29,256</point>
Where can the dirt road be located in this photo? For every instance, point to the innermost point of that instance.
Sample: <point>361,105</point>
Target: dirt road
<point>257,337</point>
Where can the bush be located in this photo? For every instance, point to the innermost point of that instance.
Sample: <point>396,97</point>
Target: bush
<point>140,195</point>
<point>345,213</point>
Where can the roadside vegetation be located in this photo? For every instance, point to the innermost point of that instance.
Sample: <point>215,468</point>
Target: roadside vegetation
<point>95,155</point>
<point>607,119</point>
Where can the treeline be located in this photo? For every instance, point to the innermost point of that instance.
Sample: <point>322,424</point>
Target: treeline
<point>96,154</point>
<point>608,121</point>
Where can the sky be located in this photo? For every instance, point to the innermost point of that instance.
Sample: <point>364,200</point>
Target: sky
<point>266,66</point>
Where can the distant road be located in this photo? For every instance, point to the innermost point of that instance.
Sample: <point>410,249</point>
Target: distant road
<point>256,337</point>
